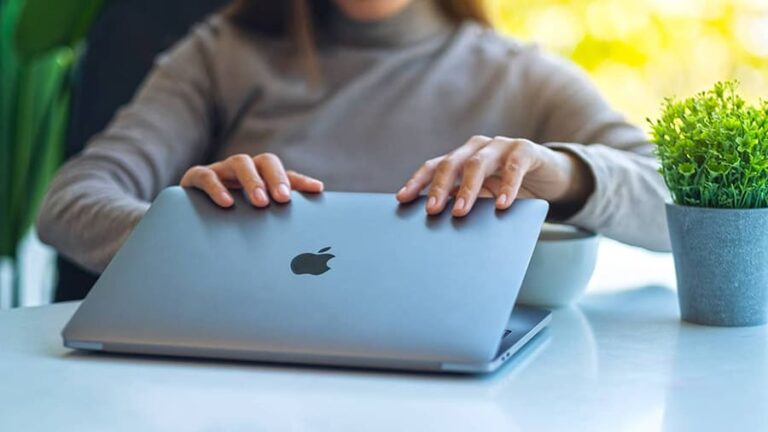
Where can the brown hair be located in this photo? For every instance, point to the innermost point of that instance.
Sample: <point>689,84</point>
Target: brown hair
<point>297,19</point>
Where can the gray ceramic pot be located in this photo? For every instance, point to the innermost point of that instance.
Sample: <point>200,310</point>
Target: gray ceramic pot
<point>721,260</point>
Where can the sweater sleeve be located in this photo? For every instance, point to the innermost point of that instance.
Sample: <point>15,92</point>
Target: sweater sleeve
<point>97,198</point>
<point>570,114</point>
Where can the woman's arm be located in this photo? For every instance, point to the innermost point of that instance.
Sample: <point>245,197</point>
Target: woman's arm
<point>627,202</point>
<point>596,170</point>
<point>98,197</point>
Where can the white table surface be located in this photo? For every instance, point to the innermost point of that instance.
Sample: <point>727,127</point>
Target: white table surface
<point>619,361</point>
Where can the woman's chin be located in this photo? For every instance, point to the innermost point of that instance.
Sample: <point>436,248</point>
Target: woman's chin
<point>371,10</point>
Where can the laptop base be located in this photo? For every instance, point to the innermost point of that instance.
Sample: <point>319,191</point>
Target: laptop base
<point>524,324</point>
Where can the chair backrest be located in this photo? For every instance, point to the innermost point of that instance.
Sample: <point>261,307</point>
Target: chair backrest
<point>121,48</point>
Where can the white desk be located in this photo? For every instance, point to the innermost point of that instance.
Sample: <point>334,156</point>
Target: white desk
<point>621,361</point>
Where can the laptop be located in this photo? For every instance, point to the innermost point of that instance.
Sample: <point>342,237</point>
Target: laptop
<point>340,279</point>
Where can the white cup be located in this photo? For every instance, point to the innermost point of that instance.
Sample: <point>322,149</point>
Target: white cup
<point>561,267</point>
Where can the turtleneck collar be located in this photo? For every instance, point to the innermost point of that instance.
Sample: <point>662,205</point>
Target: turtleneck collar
<point>420,20</point>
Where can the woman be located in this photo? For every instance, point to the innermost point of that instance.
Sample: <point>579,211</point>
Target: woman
<point>355,95</point>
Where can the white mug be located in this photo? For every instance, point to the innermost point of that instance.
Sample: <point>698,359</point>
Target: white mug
<point>561,267</point>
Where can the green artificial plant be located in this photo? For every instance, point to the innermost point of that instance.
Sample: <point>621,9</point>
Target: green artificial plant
<point>38,47</point>
<point>713,149</point>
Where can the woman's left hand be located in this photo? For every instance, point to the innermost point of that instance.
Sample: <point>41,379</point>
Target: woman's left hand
<point>505,168</point>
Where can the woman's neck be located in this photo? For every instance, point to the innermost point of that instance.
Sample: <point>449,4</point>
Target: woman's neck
<point>420,20</point>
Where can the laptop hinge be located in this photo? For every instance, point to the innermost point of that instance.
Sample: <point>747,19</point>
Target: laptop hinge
<point>93,346</point>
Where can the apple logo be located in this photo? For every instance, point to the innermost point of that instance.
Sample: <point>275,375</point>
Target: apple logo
<point>311,263</point>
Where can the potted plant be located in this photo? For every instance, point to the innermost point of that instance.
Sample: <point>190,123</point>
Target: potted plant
<point>713,150</point>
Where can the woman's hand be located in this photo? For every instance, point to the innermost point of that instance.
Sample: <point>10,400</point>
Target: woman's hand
<point>505,168</point>
<point>261,177</point>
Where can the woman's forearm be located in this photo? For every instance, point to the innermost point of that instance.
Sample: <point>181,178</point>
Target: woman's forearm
<point>581,185</point>
<point>627,203</point>
<point>99,196</point>
<point>628,196</point>
<point>86,216</point>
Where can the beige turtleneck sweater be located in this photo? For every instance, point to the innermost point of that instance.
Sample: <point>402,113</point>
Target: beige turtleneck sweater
<point>394,93</point>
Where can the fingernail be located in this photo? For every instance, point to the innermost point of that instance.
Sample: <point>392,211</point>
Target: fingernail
<point>459,204</point>
<point>431,202</point>
<point>502,199</point>
<point>259,195</point>
<point>402,190</point>
<point>226,197</point>
<point>284,191</point>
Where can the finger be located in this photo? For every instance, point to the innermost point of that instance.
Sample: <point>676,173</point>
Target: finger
<point>513,171</point>
<point>476,170</point>
<point>418,181</point>
<point>490,187</point>
<point>304,183</point>
<point>205,179</point>
<point>447,171</point>
<point>249,178</point>
<point>273,173</point>
<point>226,174</point>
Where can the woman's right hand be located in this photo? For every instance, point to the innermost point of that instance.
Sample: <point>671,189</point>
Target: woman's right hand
<point>261,177</point>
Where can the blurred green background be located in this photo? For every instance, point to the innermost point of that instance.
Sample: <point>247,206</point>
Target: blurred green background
<point>38,48</point>
<point>640,51</point>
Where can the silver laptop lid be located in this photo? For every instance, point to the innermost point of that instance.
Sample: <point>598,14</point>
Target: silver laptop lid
<point>337,274</point>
